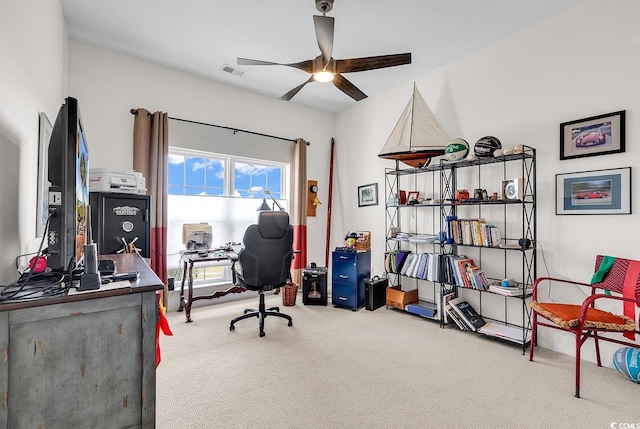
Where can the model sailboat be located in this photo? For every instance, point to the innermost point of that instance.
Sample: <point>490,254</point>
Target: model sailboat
<point>417,136</point>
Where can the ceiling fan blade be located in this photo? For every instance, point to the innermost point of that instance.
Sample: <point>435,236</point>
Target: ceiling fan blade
<point>306,65</point>
<point>249,62</point>
<point>372,63</point>
<point>324,26</point>
<point>348,88</point>
<point>289,95</point>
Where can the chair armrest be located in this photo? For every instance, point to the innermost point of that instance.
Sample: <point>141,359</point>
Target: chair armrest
<point>534,291</point>
<point>591,300</point>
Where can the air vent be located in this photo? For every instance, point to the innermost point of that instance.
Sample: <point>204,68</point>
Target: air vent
<point>233,70</point>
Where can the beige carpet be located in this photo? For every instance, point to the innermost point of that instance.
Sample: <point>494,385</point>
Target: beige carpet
<point>335,368</point>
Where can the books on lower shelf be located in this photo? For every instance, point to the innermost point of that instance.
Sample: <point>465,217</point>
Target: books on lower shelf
<point>467,313</point>
<point>509,290</point>
<point>463,272</point>
<point>511,333</point>
<point>443,304</point>
<point>424,266</point>
<point>453,315</point>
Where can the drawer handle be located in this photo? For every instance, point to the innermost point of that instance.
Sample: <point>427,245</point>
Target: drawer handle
<point>342,276</point>
<point>344,257</point>
<point>342,298</point>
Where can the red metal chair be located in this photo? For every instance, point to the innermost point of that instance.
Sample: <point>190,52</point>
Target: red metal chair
<point>612,275</point>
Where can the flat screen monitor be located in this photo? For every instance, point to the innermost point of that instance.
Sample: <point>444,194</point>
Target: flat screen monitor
<point>69,191</point>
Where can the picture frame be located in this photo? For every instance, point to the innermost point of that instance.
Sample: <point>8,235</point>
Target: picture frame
<point>368,195</point>
<point>413,195</point>
<point>597,135</point>
<point>42,194</point>
<point>594,192</point>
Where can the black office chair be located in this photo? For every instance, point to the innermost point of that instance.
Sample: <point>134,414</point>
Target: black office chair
<point>264,263</point>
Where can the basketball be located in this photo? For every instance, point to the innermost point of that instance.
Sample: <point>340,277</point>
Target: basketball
<point>456,150</point>
<point>627,361</point>
<point>485,147</point>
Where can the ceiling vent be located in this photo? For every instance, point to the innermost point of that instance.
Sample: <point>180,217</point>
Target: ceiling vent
<point>233,70</point>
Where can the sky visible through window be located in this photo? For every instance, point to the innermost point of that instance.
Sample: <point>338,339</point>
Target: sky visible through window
<point>198,175</point>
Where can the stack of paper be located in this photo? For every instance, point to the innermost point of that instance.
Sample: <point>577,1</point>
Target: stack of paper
<point>510,333</point>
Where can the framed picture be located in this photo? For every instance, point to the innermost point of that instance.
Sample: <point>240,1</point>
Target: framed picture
<point>413,195</point>
<point>42,207</point>
<point>598,135</point>
<point>594,192</point>
<point>368,195</point>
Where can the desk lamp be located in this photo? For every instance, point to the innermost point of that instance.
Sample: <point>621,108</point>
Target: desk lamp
<point>265,206</point>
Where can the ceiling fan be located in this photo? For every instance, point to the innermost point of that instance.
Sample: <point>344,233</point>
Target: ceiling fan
<point>324,68</point>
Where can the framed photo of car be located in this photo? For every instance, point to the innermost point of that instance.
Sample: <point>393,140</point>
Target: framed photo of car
<point>598,135</point>
<point>594,192</point>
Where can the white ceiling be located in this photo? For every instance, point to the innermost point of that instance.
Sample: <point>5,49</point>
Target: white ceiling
<point>201,36</point>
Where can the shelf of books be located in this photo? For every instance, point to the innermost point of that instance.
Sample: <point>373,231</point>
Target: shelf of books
<point>475,256</point>
<point>413,243</point>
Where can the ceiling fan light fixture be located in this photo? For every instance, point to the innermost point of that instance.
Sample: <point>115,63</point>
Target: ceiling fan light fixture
<point>323,76</point>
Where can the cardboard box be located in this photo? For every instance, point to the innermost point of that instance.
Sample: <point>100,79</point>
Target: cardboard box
<point>399,299</point>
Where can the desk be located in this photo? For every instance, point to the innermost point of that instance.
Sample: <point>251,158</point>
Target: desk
<point>84,360</point>
<point>188,261</point>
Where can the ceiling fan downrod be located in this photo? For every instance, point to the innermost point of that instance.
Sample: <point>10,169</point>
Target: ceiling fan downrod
<point>324,6</point>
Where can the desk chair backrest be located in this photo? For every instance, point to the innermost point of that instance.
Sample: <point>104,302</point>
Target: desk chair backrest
<point>613,278</point>
<point>268,251</point>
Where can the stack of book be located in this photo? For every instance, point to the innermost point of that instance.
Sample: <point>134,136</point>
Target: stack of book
<point>463,272</point>
<point>517,290</point>
<point>472,232</point>
<point>464,315</point>
<point>424,266</point>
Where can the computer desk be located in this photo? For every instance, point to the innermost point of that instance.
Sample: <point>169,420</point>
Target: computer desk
<point>188,261</point>
<point>72,360</point>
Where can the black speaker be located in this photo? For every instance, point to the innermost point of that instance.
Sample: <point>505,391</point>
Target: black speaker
<point>524,243</point>
<point>121,222</point>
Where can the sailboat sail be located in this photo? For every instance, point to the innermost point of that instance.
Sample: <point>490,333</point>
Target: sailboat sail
<point>417,136</point>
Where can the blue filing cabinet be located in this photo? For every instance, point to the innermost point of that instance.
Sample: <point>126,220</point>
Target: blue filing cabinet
<point>350,271</point>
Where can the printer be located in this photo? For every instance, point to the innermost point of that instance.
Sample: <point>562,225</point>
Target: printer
<point>105,180</point>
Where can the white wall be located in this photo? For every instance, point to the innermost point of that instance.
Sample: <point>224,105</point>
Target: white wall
<point>581,63</point>
<point>32,67</point>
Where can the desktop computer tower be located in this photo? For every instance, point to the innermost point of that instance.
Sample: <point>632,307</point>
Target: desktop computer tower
<point>375,294</point>
<point>121,222</point>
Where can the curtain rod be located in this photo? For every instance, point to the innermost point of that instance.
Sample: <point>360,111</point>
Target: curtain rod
<point>235,130</point>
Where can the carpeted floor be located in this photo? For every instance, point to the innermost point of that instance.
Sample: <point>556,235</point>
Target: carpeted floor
<point>336,368</point>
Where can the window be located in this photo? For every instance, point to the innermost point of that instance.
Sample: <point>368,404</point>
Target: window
<point>221,190</point>
<point>196,175</point>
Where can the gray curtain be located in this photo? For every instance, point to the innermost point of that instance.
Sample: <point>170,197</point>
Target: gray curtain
<point>150,154</point>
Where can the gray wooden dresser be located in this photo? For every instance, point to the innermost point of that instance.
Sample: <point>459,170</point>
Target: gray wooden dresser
<point>82,361</point>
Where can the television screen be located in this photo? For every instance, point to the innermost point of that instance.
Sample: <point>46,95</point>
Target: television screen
<point>69,190</point>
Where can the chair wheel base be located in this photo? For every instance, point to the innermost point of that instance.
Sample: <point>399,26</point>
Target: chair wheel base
<point>261,313</point>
